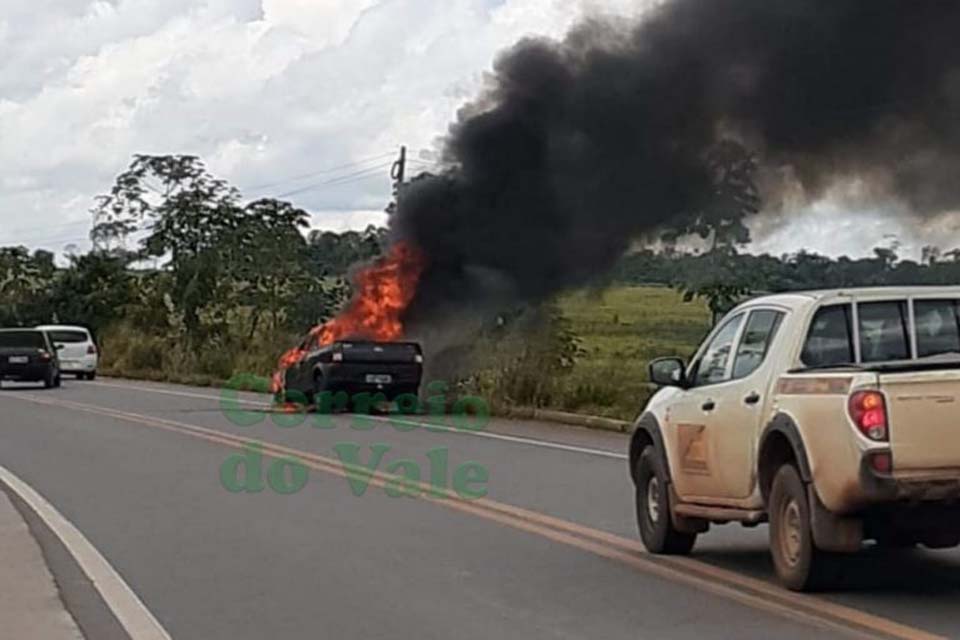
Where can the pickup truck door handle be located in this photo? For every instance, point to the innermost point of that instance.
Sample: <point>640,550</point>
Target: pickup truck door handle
<point>753,398</point>
<point>709,405</point>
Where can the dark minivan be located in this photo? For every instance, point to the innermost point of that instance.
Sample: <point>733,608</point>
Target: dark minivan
<point>28,355</point>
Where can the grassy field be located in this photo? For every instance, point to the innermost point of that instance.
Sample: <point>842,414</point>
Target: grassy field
<point>621,330</point>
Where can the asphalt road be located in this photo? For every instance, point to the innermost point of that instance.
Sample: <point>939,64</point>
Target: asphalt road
<point>551,552</point>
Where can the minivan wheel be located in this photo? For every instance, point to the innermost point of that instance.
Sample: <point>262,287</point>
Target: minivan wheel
<point>653,509</point>
<point>799,564</point>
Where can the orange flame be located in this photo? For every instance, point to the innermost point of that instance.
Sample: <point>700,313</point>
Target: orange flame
<point>383,291</point>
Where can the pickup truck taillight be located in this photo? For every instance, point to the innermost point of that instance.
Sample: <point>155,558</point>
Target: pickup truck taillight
<point>868,409</point>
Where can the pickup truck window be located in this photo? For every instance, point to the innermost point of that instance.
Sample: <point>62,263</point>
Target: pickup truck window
<point>761,329</point>
<point>938,327</point>
<point>712,367</point>
<point>884,334</point>
<point>830,339</point>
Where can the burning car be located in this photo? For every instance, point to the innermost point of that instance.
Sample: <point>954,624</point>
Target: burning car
<point>389,368</point>
<point>362,348</point>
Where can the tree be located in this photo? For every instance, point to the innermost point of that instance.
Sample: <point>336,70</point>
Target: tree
<point>930,254</point>
<point>24,281</point>
<point>733,198</point>
<point>94,291</point>
<point>717,278</point>
<point>334,253</point>
<point>230,263</point>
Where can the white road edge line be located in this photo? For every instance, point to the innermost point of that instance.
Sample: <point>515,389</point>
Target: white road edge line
<point>546,444</point>
<point>129,610</point>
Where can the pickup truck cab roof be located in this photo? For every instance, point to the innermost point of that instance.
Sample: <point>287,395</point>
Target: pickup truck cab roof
<point>799,299</point>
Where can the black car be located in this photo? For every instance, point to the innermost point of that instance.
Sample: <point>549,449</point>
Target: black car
<point>28,355</point>
<point>355,367</point>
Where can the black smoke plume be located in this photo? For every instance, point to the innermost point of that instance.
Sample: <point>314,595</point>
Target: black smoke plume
<point>580,146</point>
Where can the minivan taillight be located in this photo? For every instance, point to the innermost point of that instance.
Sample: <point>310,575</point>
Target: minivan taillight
<point>91,350</point>
<point>868,409</point>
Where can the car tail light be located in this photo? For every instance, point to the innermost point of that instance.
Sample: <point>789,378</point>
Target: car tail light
<point>418,358</point>
<point>868,409</point>
<point>338,357</point>
<point>92,350</point>
<point>45,356</point>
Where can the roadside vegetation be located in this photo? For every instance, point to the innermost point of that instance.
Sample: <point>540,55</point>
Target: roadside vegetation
<point>189,282</point>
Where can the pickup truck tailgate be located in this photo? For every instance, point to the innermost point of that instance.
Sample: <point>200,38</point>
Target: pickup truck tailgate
<point>924,418</point>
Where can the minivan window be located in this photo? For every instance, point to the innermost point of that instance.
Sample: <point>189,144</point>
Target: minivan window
<point>759,333</point>
<point>884,334</point>
<point>829,341</point>
<point>18,339</point>
<point>713,365</point>
<point>68,336</point>
<point>938,327</point>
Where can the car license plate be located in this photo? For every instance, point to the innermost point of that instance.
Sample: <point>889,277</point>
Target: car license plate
<point>19,359</point>
<point>379,378</point>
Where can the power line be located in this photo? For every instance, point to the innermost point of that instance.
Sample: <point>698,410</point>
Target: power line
<point>336,181</point>
<point>313,174</point>
<point>51,227</point>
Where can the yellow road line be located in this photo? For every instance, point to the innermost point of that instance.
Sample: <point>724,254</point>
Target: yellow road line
<point>746,590</point>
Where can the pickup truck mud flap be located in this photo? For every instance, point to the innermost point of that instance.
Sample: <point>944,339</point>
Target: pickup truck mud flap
<point>831,532</point>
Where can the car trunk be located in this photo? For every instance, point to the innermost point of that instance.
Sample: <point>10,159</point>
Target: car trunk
<point>20,355</point>
<point>72,344</point>
<point>380,352</point>
<point>924,417</point>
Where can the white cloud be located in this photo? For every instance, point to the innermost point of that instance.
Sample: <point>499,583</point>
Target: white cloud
<point>263,90</point>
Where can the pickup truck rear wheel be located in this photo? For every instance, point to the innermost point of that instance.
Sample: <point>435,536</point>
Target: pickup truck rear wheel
<point>798,562</point>
<point>653,508</point>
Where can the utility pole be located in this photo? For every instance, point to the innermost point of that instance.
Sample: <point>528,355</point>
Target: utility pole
<point>399,171</point>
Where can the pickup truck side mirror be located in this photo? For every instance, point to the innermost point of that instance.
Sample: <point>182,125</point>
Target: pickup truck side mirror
<point>668,372</point>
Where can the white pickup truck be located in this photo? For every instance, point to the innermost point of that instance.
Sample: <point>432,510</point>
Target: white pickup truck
<point>834,415</point>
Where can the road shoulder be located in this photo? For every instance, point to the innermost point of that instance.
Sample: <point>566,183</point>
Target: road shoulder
<point>30,604</point>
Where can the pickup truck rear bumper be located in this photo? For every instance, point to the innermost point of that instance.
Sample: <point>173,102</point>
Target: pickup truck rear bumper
<point>357,377</point>
<point>939,485</point>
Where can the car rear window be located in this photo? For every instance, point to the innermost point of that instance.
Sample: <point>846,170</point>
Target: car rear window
<point>18,339</point>
<point>938,327</point>
<point>829,341</point>
<point>69,336</point>
<point>884,332</point>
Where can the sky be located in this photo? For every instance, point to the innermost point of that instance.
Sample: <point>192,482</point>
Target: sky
<point>305,99</point>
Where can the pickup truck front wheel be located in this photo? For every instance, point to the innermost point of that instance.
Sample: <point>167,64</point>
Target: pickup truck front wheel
<point>799,564</point>
<point>653,508</point>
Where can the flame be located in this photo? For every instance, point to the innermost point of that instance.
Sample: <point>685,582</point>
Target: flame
<point>383,291</point>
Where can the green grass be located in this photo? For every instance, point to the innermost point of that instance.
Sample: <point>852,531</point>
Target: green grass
<point>621,330</point>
